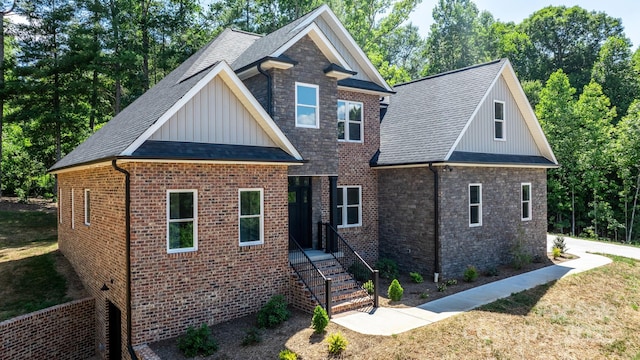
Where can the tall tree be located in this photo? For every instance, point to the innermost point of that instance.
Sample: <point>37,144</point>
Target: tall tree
<point>628,163</point>
<point>3,12</point>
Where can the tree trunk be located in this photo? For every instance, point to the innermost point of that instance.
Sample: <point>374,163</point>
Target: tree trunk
<point>633,210</point>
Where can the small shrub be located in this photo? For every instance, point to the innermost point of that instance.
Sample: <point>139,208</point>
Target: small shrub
<point>470,274</point>
<point>251,337</point>
<point>416,277</point>
<point>197,342</point>
<point>442,287</point>
<point>388,268</point>
<point>424,295</point>
<point>337,343</point>
<point>320,319</point>
<point>359,272</point>
<point>556,252</point>
<point>369,287</point>
<point>520,258</point>
<point>273,313</point>
<point>493,271</point>
<point>395,291</point>
<point>287,354</point>
<point>452,282</point>
<point>559,243</point>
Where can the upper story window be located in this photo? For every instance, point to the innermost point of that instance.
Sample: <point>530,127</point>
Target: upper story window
<point>349,121</point>
<point>182,220</point>
<point>251,217</point>
<point>475,205</point>
<point>87,206</point>
<point>307,100</point>
<point>525,201</point>
<point>349,206</point>
<point>498,120</point>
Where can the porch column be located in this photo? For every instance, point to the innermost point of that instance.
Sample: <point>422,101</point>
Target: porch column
<point>333,212</point>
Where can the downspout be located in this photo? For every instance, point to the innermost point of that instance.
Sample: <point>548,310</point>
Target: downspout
<point>127,205</point>
<point>266,74</point>
<point>436,223</point>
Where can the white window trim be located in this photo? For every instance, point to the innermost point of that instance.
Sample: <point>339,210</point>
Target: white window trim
<point>344,206</point>
<point>523,202</point>
<point>479,205</point>
<point>87,206</point>
<point>317,107</point>
<point>194,219</point>
<point>504,115</point>
<point>60,205</point>
<point>346,122</point>
<point>73,211</point>
<point>240,216</point>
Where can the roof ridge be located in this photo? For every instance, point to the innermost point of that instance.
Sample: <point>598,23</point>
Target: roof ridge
<point>234,29</point>
<point>451,72</point>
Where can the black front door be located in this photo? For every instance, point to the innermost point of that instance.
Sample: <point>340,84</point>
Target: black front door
<point>115,331</point>
<point>300,209</point>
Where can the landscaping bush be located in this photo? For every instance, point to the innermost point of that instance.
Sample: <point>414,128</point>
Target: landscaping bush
<point>442,287</point>
<point>470,274</point>
<point>337,343</point>
<point>493,271</point>
<point>251,337</point>
<point>359,272</point>
<point>320,319</point>
<point>197,342</point>
<point>556,252</point>
<point>520,258</point>
<point>388,268</point>
<point>287,354</point>
<point>559,243</point>
<point>451,282</point>
<point>416,277</point>
<point>395,291</point>
<point>369,287</point>
<point>273,313</point>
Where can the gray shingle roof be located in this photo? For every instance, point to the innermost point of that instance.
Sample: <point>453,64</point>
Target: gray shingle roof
<point>116,135</point>
<point>178,150</point>
<point>425,117</point>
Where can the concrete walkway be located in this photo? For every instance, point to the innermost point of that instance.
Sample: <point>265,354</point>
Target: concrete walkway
<point>389,321</point>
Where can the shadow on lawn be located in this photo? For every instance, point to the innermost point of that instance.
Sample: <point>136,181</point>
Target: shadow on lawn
<point>520,303</point>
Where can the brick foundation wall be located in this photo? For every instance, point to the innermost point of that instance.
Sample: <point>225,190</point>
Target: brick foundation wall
<point>221,280</point>
<point>97,251</point>
<point>64,331</point>
<point>490,244</point>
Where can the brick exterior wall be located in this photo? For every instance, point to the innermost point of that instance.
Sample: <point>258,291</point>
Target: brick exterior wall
<point>318,146</point>
<point>221,280</point>
<point>97,251</point>
<point>406,217</point>
<point>64,331</point>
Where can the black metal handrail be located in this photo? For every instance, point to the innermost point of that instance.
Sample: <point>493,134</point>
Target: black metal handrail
<point>352,261</point>
<point>318,284</point>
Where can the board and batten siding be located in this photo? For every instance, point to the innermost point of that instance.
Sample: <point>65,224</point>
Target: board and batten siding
<point>344,51</point>
<point>216,116</point>
<point>479,136</point>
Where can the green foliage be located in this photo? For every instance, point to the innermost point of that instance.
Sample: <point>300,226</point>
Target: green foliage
<point>395,291</point>
<point>556,252</point>
<point>337,343</point>
<point>197,342</point>
<point>273,313</point>
<point>359,271</point>
<point>251,337</point>
<point>452,282</point>
<point>416,277</point>
<point>287,354</point>
<point>388,268</point>
<point>424,295</point>
<point>519,255</point>
<point>442,287</point>
<point>369,287</point>
<point>470,274</point>
<point>492,271</point>
<point>559,243</point>
<point>320,319</point>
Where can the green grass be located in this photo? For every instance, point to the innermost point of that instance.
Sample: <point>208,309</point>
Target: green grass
<point>29,280</point>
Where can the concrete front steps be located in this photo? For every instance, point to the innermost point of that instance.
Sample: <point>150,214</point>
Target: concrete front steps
<point>346,294</point>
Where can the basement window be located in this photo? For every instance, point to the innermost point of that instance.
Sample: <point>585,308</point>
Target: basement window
<point>182,221</point>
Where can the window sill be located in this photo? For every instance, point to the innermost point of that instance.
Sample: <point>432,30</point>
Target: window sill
<point>350,141</point>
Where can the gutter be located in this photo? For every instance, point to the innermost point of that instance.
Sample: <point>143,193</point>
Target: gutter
<point>266,74</point>
<point>127,202</point>
<point>436,223</point>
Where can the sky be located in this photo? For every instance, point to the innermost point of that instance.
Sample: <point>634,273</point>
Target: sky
<point>518,10</point>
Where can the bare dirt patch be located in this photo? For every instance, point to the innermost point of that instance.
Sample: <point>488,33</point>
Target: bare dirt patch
<point>32,204</point>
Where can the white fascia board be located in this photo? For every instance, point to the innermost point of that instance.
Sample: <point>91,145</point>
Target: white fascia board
<point>320,40</point>
<point>473,115</point>
<point>225,72</point>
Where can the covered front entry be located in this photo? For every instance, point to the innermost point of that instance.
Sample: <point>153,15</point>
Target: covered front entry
<point>300,207</point>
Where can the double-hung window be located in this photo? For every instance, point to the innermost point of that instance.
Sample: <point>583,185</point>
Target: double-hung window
<point>525,201</point>
<point>182,221</point>
<point>87,207</point>
<point>498,120</point>
<point>307,100</point>
<point>349,121</point>
<point>349,206</point>
<point>251,217</point>
<point>60,205</point>
<point>475,205</point>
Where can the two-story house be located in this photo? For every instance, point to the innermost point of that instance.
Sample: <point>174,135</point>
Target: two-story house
<point>187,206</point>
